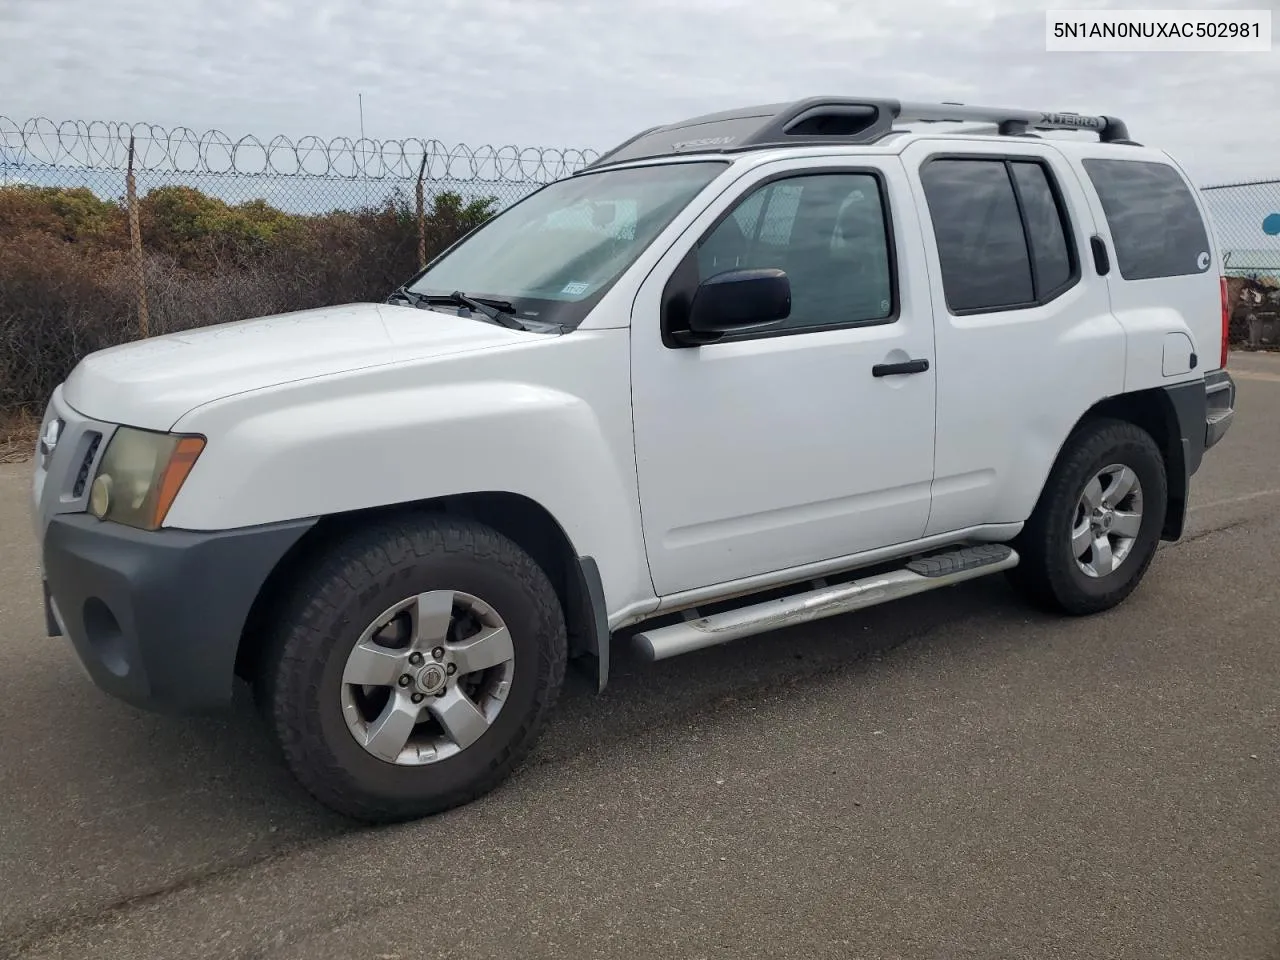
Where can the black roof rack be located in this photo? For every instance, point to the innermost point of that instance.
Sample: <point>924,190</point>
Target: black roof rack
<point>836,120</point>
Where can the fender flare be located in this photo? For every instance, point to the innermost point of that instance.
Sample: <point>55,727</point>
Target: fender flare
<point>596,621</point>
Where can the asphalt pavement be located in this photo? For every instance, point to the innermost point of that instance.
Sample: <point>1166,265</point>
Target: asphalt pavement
<point>954,776</point>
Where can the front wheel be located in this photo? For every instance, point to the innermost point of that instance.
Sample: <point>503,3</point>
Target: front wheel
<point>414,668</point>
<point>1097,525</point>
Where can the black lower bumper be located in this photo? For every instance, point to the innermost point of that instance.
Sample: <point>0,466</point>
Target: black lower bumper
<point>156,616</point>
<point>1220,406</point>
<point>1202,411</point>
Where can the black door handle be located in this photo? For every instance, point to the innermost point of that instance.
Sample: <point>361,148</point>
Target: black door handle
<point>892,369</point>
<point>1101,261</point>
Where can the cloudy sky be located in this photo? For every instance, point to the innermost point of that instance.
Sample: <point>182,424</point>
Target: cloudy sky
<point>587,73</point>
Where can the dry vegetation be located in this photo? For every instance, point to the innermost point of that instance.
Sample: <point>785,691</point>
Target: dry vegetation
<point>68,281</point>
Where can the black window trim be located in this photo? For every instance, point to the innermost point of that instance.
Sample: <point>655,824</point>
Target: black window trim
<point>1064,212</point>
<point>686,270</point>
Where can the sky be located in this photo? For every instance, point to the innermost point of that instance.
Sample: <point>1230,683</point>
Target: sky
<point>589,74</point>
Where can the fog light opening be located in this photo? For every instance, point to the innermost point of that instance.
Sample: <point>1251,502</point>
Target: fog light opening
<point>103,633</point>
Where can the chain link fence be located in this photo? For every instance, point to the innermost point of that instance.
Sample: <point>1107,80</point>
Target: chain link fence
<point>1246,218</point>
<point>113,231</point>
<point>109,232</point>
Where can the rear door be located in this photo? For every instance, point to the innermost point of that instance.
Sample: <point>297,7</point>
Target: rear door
<point>1026,341</point>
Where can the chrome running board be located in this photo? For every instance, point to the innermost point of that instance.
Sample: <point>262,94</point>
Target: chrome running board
<point>930,572</point>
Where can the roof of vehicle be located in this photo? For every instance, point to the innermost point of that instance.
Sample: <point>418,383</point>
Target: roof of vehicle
<point>836,121</point>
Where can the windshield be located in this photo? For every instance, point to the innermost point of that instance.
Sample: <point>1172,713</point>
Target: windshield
<point>553,255</point>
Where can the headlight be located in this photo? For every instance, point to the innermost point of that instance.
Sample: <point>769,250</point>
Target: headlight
<point>140,475</point>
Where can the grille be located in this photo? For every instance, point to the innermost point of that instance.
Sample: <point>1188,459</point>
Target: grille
<point>82,478</point>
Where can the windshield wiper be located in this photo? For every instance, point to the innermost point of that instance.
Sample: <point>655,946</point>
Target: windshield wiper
<point>498,311</point>
<point>403,293</point>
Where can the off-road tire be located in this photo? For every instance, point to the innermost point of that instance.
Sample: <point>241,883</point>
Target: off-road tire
<point>1047,573</point>
<point>342,592</point>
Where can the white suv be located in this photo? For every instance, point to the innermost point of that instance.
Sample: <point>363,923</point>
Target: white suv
<point>799,349</point>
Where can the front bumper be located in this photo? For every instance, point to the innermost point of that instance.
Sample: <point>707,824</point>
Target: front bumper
<point>156,616</point>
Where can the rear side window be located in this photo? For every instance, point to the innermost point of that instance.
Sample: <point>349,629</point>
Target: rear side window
<point>1002,234</point>
<point>1155,224</point>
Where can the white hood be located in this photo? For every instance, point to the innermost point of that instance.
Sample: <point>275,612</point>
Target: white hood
<point>152,383</point>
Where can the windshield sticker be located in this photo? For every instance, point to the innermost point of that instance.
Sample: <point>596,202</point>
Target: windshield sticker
<point>576,288</point>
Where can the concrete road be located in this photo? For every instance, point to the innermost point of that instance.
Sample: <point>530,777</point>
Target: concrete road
<point>952,777</point>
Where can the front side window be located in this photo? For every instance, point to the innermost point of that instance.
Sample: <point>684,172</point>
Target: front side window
<point>1002,234</point>
<point>830,235</point>
<point>555,253</point>
<point>1155,224</point>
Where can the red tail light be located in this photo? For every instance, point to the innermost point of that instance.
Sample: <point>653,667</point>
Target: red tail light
<point>1226,323</point>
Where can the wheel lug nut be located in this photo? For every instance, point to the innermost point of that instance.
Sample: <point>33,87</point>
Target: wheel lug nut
<point>438,653</point>
<point>451,669</point>
<point>415,658</point>
<point>418,698</point>
<point>405,680</point>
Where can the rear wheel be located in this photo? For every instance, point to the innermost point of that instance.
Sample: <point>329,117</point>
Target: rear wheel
<point>1097,526</point>
<point>414,668</point>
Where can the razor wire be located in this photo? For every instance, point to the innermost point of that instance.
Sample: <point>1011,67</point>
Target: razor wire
<point>104,145</point>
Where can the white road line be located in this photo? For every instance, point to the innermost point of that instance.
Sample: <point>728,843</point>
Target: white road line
<point>1255,375</point>
<point>1256,495</point>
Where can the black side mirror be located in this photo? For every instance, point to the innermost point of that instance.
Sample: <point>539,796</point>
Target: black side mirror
<point>740,300</point>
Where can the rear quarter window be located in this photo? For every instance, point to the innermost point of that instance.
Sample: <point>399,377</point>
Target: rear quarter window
<point>1155,224</point>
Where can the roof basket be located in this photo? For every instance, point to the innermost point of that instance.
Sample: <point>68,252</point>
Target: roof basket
<point>837,120</point>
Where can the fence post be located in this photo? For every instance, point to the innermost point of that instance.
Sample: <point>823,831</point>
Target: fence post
<point>135,242</point>
<point>422,216</point>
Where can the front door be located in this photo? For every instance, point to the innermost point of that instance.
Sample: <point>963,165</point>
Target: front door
<point>770,450</point>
